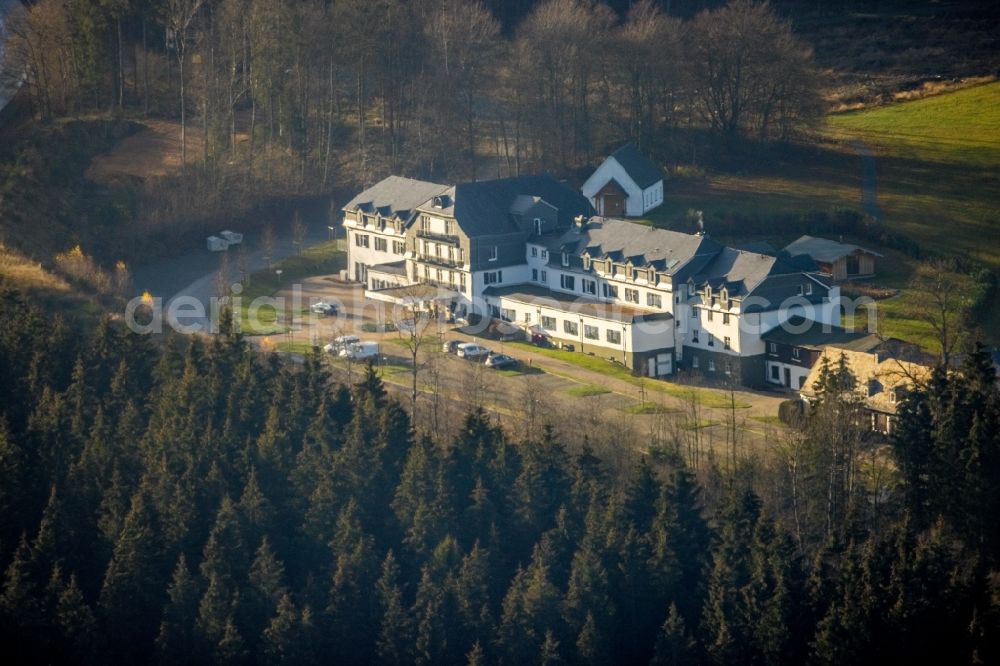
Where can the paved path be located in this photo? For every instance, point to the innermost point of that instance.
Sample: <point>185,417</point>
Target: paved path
<point>560,375</point>
<point>195,274</point>
<point>869,181</point>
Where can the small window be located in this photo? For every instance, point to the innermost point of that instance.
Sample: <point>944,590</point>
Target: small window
<point>527,317</point>
<point>632,295</point>
<point>545,254</point>
<point>567,282</point>
<point>534,251</point>
<point>775,373</point>
<point>711,340</point>
<point>691,289</point>
<point>549,323</point>
<point>711,365</point>
<point>565,259</point>
<point>613,336</point>
<point>694,336</point>
<point>654,300</point>
<point>795,352</point>
<point>494,253</point>
<point>545,276</point>
<point>538,226</point>
<point>711,315</point>
<point>727,343</point>
<point>398,247</point>
<point>694,362</point>
<point>534,275</point>
<point>772,347</point>
<point>610,290</point>
<point>588,286</point>
<point>809,288</point>
<point>381,244</point>
<point>694,313</point>
<point>799,290</point>
<point>725,318</point>
<point>570,327</point>
<point>591,332</point>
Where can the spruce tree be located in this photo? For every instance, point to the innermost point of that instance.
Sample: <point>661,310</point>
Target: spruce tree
<point>281,640</point>
<point>175,640</point>
<point>394,639</point>
<point>77,624</point>
<point>130,596</point>
<point>674,647</point>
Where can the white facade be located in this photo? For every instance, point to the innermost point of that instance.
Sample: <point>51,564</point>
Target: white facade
<point>775,374</point>
<point>638,201</point>
<point>368,245</point>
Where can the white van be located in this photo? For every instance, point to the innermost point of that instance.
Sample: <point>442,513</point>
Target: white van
<point>341,343</point>
<point>360,351</point>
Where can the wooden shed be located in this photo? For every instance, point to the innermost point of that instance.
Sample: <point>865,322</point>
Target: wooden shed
<point>842,261</point>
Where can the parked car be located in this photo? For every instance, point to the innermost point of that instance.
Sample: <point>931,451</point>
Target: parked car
<point>323,308</point>
<point>500,361</point>
<point>472,351</point>
<point>340,343</point>
<point>360,351</point>
<point>541,340</point>
<point>450,346</point>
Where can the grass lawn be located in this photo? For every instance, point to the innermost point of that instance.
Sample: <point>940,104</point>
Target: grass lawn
<point>321,259</point>
<point>647,408</point>
<point>587,390</point>
<point>937,163</point>
<point>707,397</point>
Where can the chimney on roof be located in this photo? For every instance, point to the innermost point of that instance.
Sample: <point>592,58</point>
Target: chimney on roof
<point>578,223</point>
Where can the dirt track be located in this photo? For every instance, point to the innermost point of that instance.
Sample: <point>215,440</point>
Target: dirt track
<point>152,152</point>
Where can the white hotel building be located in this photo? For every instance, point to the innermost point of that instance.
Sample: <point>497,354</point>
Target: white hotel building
<point>530,251</point>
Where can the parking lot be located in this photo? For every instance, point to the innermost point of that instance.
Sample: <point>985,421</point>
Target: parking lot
<point>539,389</point>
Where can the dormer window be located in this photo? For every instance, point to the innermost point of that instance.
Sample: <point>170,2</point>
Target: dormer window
<point>494,253</point>
<point>565,259</point>
<point>809,288</point>
<point>586,263</point>
<point>690,289</point>
<point>800,290</point>
<point>538,225</point>
<point>724,294</point>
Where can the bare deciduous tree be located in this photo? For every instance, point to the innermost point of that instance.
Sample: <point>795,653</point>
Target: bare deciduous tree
<point>941,299</point>
<point>299,231</point>
<point>750,73</point>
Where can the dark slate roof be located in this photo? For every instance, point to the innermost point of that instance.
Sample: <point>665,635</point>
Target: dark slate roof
<point>769,280</point>
<point>824,249</point>
<point>760,247</point>
<point>392,268</point>
<point>643,245</point>
<point>395,195</point>
<point>639,167</point>
<point>483,208</point>
<point>800,332</point>
<point>540,296</point>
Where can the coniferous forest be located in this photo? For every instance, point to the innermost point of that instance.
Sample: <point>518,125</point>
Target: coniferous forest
<point>193,501</point>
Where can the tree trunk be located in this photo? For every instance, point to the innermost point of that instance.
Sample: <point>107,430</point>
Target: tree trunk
<point>180,62</point>
<point>145,71</point>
